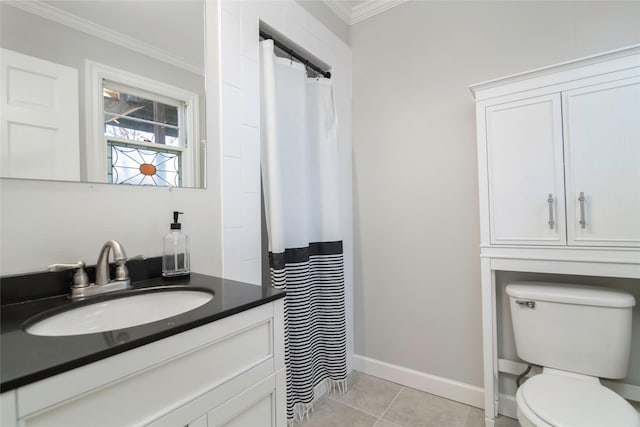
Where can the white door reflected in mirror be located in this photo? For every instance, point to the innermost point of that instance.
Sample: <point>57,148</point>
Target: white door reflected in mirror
<point>39,122</point>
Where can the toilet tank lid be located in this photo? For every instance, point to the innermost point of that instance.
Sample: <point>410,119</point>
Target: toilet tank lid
<point>570,294</point>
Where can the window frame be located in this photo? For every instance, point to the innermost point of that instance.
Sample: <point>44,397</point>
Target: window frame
<point>97,143</point>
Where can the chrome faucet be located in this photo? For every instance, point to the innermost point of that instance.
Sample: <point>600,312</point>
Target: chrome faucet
<point>102,267</point>
<point>81,287</point>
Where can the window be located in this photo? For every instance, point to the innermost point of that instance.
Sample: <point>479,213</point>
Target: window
<point>144,136</point>
<point>145,131</point>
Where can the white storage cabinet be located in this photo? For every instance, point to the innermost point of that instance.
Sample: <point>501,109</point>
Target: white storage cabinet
<point>564,168</point>
<point>226,373</point>
<point>559,183</point>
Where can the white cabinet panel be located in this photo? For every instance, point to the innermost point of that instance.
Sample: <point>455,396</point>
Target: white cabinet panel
<point>161,387</point>
<point>525,171</point>
<point>176,381</point>
<point>256,407</point>
<point>8,411</point>
<point>200,422</point>
<point>602,151</point>
<point>214,398</point>
<point>258,414</point>
<point>49,392</point>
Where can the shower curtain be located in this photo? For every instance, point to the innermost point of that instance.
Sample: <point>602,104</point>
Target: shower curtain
<point>300,182</point>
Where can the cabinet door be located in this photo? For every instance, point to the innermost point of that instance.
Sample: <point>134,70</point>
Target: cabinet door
<point>602,151</point>
<point>8,415</point>
<point>259,406</point>
<point>525,172</point>
<point>200,422</point>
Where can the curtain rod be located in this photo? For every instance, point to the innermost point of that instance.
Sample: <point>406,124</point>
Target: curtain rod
<point>299,57</point>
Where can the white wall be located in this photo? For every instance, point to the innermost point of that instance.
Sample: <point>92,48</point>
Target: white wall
<point>240,104</point>
<point>327,17</point>
<point>417,279</point>
<point>46,222</point>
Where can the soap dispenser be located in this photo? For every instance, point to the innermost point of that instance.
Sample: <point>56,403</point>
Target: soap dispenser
<point>175,259</point>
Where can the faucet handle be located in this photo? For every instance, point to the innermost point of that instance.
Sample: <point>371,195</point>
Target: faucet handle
<point>122,273</point>
<point>62,267</point>
<point>80,278</point>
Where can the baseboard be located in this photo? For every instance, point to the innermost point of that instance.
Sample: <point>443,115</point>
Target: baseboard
<point>440,386</point>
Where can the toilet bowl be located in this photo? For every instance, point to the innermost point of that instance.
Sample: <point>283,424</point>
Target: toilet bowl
<point>563,399</point>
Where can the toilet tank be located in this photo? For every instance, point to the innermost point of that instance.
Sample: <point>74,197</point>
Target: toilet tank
<point>576,328</point>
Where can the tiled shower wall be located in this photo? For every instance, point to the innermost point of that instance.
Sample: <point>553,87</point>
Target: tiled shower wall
<point>240,138</point>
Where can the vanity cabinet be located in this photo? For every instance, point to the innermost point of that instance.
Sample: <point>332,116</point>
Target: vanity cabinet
<point>228,372</point>
<point>564,168</point>
<point>559,184</point>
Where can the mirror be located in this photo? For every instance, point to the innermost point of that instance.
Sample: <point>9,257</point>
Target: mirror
<point>103,91</point>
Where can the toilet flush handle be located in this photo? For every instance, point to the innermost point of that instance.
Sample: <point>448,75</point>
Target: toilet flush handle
<point>530,304</point>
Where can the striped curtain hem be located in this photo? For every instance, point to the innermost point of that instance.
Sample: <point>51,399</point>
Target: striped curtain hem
<point>315,325</point>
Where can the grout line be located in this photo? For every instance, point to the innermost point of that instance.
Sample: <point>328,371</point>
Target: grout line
<point>389,406</point>
<point>466,419</point>
<point>386,421</point>
<point>350,406</point>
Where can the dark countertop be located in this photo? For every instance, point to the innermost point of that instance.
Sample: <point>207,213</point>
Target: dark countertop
<point>29,358</point>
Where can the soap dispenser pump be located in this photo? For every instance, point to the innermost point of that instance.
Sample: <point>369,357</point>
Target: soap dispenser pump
<point>175,259</point>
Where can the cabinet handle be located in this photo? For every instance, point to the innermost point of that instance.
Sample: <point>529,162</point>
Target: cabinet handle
<point>550,201</point>
<point>583,222</point>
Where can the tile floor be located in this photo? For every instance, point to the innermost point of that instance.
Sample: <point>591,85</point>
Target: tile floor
<point>372,401</point>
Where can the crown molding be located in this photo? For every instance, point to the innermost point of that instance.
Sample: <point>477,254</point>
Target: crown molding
<point>340,8</point>
<point>73,21</point>
<point>354,14</point>
<point>372,7</point>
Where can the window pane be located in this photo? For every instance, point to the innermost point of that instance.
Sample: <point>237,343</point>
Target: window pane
<point>136,131</point>
<point>129,164</point>
<point>125,104</point>
<point>138,119</point>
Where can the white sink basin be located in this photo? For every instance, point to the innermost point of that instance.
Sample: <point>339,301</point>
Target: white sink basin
<point>119,313</point>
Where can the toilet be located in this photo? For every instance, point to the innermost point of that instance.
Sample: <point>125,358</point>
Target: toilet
<point>577,334</point>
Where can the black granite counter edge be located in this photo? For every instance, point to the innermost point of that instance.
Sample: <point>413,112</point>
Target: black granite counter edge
<point>76,363</point>
<point>21,291</point>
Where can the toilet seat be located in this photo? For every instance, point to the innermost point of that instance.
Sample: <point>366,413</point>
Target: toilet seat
<point>566,401</point>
